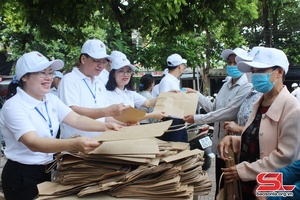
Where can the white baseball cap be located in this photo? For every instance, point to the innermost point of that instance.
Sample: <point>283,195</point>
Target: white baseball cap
<point>175,59</point>
<point>266,58</point>
<point>294,85</point>
<point>58,74</point>
<point>95,48</point>
<point>249,56</point>
<point>237,51</point>
<point>120,60</point>
<point>35,62</point>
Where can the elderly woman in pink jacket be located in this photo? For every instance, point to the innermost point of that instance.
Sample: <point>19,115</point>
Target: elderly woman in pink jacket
<point>270,139</point>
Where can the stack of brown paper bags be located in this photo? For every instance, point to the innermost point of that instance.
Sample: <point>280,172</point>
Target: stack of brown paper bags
<point>129,165</point>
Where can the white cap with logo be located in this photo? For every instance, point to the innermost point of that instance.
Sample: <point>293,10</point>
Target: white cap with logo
<point>175,59</point>
<point>120,60</point>
<point>266,58</point>
<point>35,62</point>
<point>95,48</point>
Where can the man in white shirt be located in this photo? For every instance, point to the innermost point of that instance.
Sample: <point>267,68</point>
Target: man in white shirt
<point>155,90</point>
<point>176,65</point>
<point>83,90</point>
<point>56,80</point>
<point>105,72</point>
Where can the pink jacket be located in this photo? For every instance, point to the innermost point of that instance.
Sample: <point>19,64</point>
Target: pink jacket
<point>279,137</point>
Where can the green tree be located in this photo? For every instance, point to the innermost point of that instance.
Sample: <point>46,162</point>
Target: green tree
<point>277,27</point>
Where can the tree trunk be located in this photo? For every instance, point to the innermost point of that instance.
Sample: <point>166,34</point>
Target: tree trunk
<point>275,27</point>
<point>207,67</point>
<point>126,29</point>
<point>267,29</point>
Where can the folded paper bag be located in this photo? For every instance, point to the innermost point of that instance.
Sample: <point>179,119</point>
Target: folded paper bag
<point>177,104</point>
<point>135,132</point>
<point>131,115</point>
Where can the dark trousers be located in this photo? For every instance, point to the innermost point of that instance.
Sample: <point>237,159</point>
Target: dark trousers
<point>177,131</point>
<point>220,163</point>
<point>175,136</point>
<point>19,181</point>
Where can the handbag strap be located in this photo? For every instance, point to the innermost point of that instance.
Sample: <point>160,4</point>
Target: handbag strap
<point>220,180</point>
<point>53,163</point>
<point>181,127</point>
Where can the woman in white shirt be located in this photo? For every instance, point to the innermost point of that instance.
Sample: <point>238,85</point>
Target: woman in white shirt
<point>29,122</point>
<point>120,87</point>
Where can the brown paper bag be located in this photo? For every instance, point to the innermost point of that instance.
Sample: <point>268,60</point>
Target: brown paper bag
<point>131,115</point>
<point>177,105</point>
<point>135,132</point>
<point>231,191</point>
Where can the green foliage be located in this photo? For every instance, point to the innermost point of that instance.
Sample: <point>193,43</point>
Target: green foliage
<point>59,28</point>
<point>284,28</point>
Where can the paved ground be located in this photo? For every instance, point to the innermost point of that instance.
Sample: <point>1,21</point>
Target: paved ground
<point>2,162</point>
<point>211,173</point>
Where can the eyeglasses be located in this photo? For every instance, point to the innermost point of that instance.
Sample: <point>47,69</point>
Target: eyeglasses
<point>101,62</point>
<point>44,75</point>
<point>123,72</point>
<point>98,61</point>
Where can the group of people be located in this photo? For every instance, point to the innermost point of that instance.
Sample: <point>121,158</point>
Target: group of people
<point>253,113</point>
<point>84,105</point>
<point>266,135</point>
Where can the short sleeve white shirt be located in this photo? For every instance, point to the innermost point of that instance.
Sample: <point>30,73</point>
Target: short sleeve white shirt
<point>168,83</point>
<point>19,116</point>
<point>104,76</point>
<point>76,89</point>
<point>155,91</point>
<point>53,90</point>
<point>128,97</point>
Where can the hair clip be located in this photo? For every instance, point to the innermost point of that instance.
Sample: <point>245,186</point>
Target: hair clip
<point>15,80</point>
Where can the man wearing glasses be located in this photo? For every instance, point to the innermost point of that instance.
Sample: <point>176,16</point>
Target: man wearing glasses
<point>83,90</point>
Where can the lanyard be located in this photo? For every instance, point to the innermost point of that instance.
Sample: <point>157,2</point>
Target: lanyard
<point>94,95</point>
<point>49,122</point>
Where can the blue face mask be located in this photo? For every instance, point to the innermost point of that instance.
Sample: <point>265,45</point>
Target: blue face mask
<point>261,82</point>
<point>233,72</point>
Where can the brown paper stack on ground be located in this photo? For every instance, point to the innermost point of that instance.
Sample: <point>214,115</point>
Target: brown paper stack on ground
<point>140,166</point>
